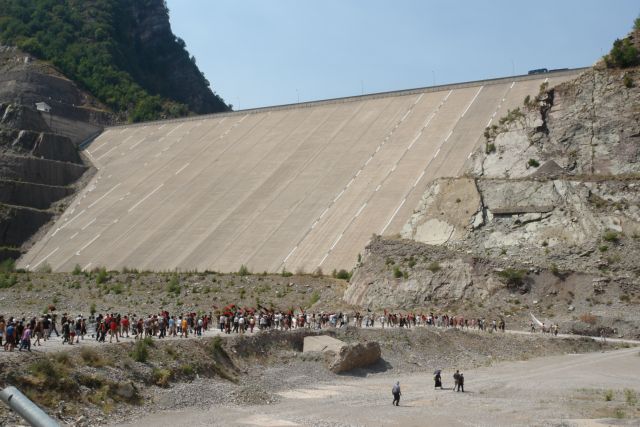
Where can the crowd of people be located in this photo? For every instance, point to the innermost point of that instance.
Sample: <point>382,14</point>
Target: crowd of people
<point>24,333</point>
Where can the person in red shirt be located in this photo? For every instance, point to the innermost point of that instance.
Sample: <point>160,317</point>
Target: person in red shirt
<point>113,329</point>
<point>125,326</point>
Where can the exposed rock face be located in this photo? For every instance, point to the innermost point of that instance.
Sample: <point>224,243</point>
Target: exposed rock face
<point>354,356</point>
<point>587,126</point>
<point>549,207</point>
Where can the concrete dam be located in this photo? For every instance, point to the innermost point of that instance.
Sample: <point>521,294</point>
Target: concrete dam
<point>298,187</point>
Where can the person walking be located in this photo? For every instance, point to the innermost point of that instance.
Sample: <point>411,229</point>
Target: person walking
<point>438,379</point>
<point>396,394</point>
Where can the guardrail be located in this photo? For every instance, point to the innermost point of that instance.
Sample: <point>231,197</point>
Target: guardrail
<point>26,408</point>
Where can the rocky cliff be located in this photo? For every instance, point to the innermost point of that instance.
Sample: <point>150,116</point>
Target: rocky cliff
<point>549,206</point>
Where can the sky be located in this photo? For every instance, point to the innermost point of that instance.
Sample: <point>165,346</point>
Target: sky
<point>259,53</point>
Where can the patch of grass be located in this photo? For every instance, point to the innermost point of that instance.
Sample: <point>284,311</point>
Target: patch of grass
<point>45,267</point>
<point>397,273</point>
<point>434,267</point>
<point>603,248</point>
<point>91,357</point>
<point>533,163</point>
<point>630,396</point>
<point>187,370</point>
<point>286,273</point>
<point>315,297</point>
<point>611,236</point>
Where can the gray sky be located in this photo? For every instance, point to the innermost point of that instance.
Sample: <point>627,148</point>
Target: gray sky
<point>265,52</point>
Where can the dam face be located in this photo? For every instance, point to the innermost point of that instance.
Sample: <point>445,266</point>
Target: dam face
<point>295,187</point>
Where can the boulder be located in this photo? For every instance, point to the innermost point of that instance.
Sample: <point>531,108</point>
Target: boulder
<point>353,356</point>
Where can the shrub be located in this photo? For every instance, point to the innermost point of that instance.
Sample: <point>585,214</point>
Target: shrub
<point>102,276</point>
<point>343,275</point>
<point>608,395</point>
<point>315,297</point>
<point>174,285</point>
<point>244,271</point>
<point>630,396</point>
<point>161,377</point>
<point>636,23</point>
<point>603,248</point>
<point>7,266</point>
<point>92,309</point>
<point>140,352</point>
<point>8,281</point>
<point>286,273</point>
<point>533,163</point>
<point>397,273</point>
<point>490,148</point>
<point>512,276</point>
<point>77,270</point>
<point>611,236</point>
<point>627,80</point>
<point>623,54</point>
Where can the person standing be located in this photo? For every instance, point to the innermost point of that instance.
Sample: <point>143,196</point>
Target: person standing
<point>396,394</point>
<point>456,380</point>
<point>461,383</point>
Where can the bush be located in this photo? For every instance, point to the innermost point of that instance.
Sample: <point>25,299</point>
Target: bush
<point>533,163</point>
<point>343,275</point>
<point>140,352</point>
<point>512,276</point>
<point>8,281</point>
<point>286,273</point>
<point>608,395</point>
<point>7,266</point>
<point>174,286</point>
<point>161,377</point>
<point>623,54</point>
<point>611,236</point>
<point>244,271</point>
<point>102,276</point>
<point>630,396</point>
<point>77,270</point>
<point>627,80</point>
<point>397,273</point>
<point>490,148</point>
<point>315,297</point>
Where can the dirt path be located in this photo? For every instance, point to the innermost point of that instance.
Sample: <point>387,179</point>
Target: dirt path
<point>545,391</point>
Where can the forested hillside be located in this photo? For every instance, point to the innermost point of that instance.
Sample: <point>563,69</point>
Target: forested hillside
<point>121,51</point>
